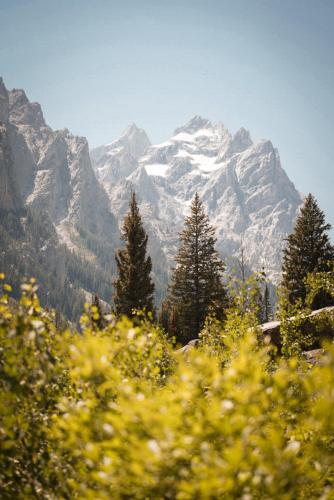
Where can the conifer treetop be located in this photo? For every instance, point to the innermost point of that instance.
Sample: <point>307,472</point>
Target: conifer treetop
<point>196,284</point>
<point>134,286</point>
<point>308,250</point>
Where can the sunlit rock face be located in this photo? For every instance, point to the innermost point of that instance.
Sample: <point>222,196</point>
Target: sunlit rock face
<point>50,171</point>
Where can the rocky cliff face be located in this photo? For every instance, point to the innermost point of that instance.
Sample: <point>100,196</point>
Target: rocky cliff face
<point>56,174</point>
<point>50,173</point>
<point>248,196</point>
<point>10,196</point>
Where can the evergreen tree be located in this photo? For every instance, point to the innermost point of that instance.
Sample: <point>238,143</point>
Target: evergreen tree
<point>168,318</point>
<point>266,309</point>
<point>308,250</point>
<point>196,285</point>
<point>164,315</point>
<point>134,287</point>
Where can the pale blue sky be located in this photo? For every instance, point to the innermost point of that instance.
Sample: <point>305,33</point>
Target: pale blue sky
<point>268,65</point>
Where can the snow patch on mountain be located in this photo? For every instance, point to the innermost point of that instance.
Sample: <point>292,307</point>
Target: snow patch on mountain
<point>156,169</point>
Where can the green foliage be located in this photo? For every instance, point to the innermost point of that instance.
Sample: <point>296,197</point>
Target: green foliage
<point>242,315</point>
<point>319,283</point>
<point>31,380</point>
<point>134,287</point>
<point>209,432</point>
<point>294,340</point>
<point>266,313</point>
<point>100,247</point>
<point>141,351</point>
<point>97,315</point>
<point>308,250</point>
<point>196,285</point>
<point>112,413</point>
<point>299,329</point>
<point>30,247</point>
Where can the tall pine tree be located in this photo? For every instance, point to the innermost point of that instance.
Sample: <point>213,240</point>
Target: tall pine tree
<point>133,287</point>
<point>308,250</point>
<point>196,285</point>
<point>266,309</point>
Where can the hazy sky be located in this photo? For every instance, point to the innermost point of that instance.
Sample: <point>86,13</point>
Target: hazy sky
<point>268,65</point>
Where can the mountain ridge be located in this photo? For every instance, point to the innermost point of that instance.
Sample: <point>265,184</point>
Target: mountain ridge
<point>245,190</point>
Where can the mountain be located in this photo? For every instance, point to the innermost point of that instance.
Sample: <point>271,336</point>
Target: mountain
<point>48,188</point>
<point>248,196</point>
<point>59,178</point>
<point>61,206</point>
<point>119,158</point>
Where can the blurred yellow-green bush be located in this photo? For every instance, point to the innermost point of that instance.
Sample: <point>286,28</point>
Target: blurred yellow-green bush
<point>113,413</point>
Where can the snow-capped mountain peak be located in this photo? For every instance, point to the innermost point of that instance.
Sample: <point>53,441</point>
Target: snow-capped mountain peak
<point>134,140</point>
<point>193,125</point>
<point>118,159</point>
<point>247,194</point>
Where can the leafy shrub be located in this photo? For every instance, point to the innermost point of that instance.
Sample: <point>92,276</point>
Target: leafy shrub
<point>299,329</point>
<point>321,283</point>
<point>112,413</point>
<point>208,433</point>
<point>221,339</point>
<point>31,379</point>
